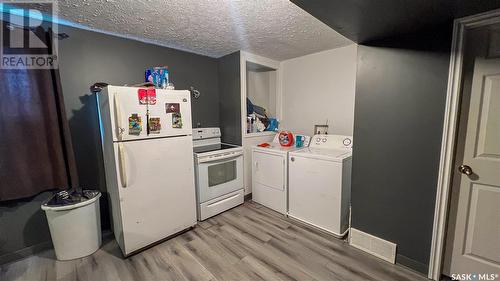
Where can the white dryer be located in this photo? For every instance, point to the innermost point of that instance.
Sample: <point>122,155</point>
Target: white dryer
<point>319,187</point>
<point>270,175</point>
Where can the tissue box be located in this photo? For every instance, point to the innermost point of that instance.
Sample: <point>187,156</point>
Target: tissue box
<point>157,75</point>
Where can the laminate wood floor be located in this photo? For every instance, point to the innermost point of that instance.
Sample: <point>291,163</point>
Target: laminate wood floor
<point>249,242</point>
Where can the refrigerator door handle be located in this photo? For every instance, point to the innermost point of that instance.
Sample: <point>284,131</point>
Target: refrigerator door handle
<point>121,160</point>
<point>118,118</point>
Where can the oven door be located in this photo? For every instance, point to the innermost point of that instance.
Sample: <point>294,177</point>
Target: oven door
<point>219,177</point>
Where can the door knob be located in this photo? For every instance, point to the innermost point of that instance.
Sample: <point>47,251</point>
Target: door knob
<point>464,169</point>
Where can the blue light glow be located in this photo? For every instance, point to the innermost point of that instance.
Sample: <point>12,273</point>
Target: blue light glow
<point>12,10</point>
<point>101,127</point>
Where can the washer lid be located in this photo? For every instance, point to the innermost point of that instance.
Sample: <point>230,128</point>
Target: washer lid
<point>323,153</point>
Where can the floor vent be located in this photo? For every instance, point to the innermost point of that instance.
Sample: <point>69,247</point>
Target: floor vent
<point>371,244</point>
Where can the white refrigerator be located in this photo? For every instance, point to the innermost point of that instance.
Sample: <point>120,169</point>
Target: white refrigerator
<point>148,158</point>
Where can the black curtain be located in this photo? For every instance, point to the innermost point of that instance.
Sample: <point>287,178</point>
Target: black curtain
<point>35,145</point>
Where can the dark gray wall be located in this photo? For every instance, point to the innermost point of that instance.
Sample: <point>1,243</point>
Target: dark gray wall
<point>23,228</point>
<point>400,100</point>
<point>230,98</point>
<point>87,57</point>
<point>400,91</point>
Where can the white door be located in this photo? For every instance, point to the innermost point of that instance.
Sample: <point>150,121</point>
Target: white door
<point>167,101</point>
<point>168,115</point>
<point>156,189</point>
<point>314,192</point>
<point>269,169</point>
<point>269,173</point>
<point>476,242</point>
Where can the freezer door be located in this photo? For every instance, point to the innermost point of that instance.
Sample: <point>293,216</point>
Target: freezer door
<point>169,114</point>
<point>156,189</point>
<point>174,108</point>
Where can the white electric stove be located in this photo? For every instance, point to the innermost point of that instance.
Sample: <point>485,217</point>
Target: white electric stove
<point>218,173</point>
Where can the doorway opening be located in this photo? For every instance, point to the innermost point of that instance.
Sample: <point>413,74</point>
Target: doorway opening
<point>466,237</point>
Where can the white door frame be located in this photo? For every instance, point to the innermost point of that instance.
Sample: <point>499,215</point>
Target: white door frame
<point>249,57</point>
<point>449,135</point>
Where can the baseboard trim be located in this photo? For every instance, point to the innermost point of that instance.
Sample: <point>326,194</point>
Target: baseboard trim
<point>412,264</point>
<point>25,252</point>
<point>248,197</point>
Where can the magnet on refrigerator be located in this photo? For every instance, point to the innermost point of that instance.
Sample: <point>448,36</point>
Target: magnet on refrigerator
<point>134,124</point>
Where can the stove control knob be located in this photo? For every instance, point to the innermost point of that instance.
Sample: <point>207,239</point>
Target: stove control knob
<point>318,139</point>
<point>324,140</point>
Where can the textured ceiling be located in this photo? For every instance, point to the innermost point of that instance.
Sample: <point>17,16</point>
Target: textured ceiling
<point>276,29</point>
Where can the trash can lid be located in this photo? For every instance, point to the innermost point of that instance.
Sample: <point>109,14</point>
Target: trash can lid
<point>67,200</point>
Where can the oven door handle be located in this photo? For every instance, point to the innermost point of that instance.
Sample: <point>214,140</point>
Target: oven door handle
<point>221,159</point>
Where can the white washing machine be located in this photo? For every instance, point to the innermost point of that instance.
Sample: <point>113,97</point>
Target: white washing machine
<point>319,188</point>
<point>270,175</point>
